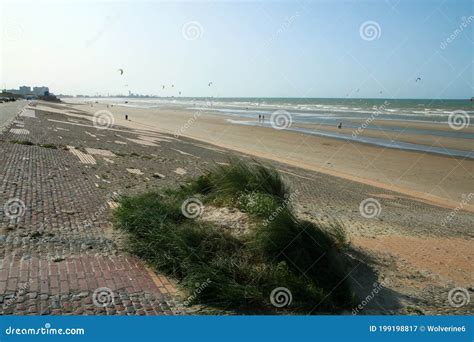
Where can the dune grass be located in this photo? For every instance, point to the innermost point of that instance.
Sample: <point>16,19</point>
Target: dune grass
<point>240,272</point>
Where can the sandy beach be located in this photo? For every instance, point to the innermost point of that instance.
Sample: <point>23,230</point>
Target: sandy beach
<point>433,178</point>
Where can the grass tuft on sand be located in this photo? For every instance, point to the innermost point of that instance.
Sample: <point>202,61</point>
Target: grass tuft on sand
<point>240,272</point>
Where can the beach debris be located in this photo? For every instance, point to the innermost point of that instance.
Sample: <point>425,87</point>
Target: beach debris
<point>90,134</point>
<point>120,142</point>
<point>172,86</point>
<point>184,153</point>
<point>135,171</point>
<point>158,175</point>
<point>112,204</point>
<point>120,71</point>
<point>109,160</point>
<point>58,259</point>
<point>180,171</point>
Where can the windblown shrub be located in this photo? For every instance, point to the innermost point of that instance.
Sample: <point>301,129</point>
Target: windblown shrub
<point>239,272</point>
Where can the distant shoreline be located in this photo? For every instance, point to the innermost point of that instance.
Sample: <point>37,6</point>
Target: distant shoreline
<point>259,97</point>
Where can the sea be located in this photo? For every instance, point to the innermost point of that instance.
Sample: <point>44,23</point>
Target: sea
<point>450,118</point>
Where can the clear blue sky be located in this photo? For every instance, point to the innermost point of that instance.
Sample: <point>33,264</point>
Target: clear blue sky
<point>251,49</point>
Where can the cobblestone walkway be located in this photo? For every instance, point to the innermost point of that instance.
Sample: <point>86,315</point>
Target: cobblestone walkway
<point>51,260</point>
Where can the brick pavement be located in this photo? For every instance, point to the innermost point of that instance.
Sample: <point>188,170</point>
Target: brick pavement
<point>51,261</point>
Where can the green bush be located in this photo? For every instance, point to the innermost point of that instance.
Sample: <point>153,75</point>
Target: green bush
<point>242,271</point>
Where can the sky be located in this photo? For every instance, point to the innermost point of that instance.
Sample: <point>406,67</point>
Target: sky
<point>366,49</point>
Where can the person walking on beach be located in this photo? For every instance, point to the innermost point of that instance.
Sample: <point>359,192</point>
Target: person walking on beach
<point>126,117</point>
<point>259,117</point>
<point>263,118</point>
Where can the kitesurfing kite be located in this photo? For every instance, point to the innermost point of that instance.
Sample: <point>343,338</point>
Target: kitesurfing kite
<point>121,71</point>
<point>418,79</point>
<point>209,84</point>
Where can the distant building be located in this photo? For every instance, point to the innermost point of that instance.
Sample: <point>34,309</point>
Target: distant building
<point>40,91</point>
<point>25,90</point>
